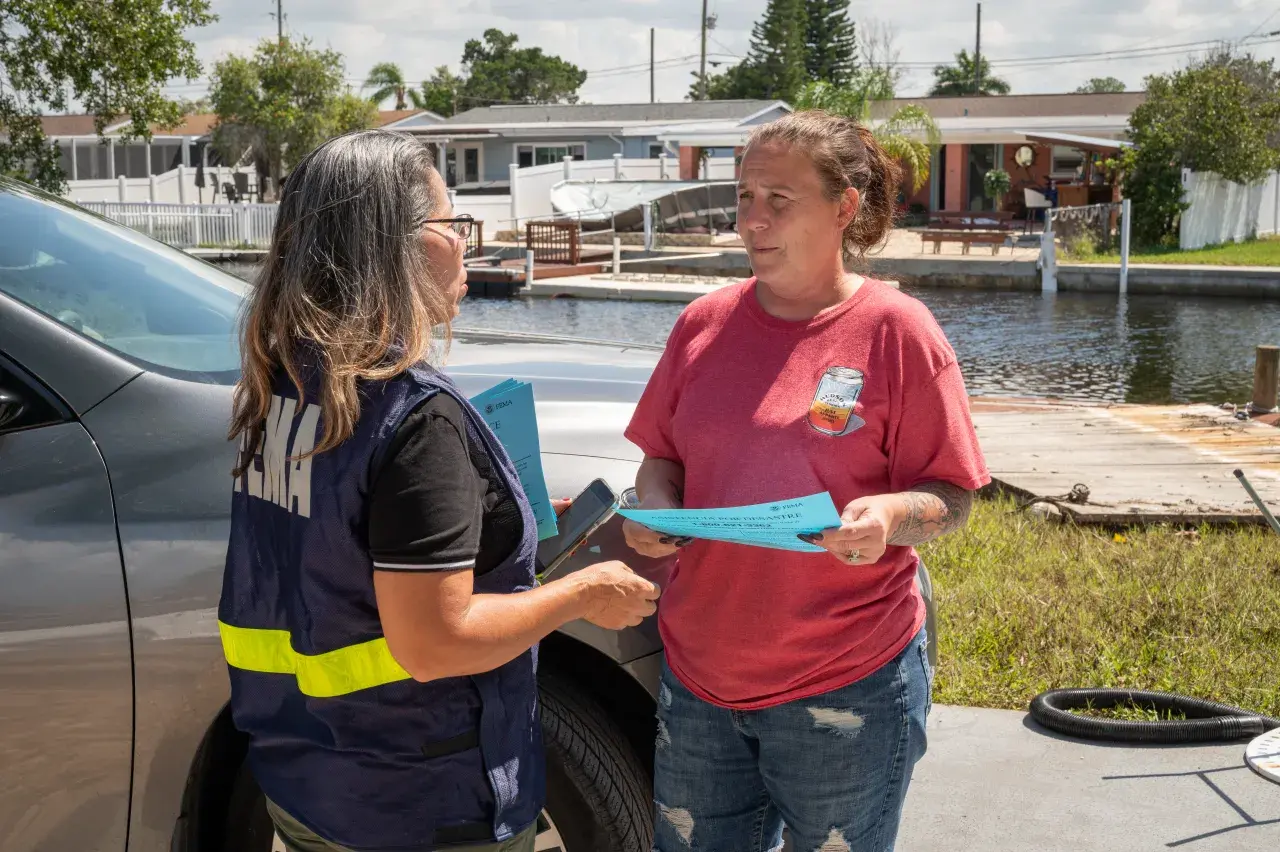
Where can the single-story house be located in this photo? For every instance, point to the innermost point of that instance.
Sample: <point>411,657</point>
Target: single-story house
<point>86,157</point>
<point>475,149</point>
<point>979,133</point>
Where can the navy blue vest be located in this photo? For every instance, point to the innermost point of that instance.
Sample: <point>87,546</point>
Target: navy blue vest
<point>340,737</point>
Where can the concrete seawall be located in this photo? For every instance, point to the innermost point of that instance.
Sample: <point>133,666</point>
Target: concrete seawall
<point>994,273</point>
<point>1167,280</point>
<point>965,273</point>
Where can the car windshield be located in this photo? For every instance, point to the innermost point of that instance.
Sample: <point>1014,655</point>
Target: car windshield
<point>155,305</point>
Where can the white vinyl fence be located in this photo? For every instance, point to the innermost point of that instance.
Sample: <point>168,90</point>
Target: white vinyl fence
<point>493,210</point>
<point>1225,212</point>
<point>195,225</point>
<point>177,186</point>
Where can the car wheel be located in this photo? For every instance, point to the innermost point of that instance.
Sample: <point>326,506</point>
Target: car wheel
<point>599,797</point>
<point>249,827</point>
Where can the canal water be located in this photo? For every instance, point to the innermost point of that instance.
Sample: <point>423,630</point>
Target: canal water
<point>1077,346</point>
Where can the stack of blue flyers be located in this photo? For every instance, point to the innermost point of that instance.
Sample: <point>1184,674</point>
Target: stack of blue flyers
<point>508,409</point>
<point>773,525</point>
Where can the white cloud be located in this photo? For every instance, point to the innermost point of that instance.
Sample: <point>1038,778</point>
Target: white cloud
<point>599,35</point>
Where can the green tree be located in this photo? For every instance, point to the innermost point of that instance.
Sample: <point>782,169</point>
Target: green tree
<point>1102,85</point>
<point>281,102</point>
<point>1217,116</point>
<point>111,58</point>
<point>497,71</point>
<point>389,80</point>
<point>737,82</point>
<point>959,79</point>
<point>831,42</point>
<point>777,56</point>
<point>440,93</point>
<point>909,134</point>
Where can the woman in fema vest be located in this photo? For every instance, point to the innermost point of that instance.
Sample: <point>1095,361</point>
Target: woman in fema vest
<point>797,684</point>
<point>379,609</point>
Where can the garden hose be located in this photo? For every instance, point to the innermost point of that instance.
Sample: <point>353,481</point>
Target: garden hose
<point>1206,721</point>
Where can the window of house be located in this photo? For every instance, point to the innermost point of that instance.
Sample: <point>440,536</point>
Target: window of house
<point>656,150</point>
<point>1066,161</point>
<point>555,152</point>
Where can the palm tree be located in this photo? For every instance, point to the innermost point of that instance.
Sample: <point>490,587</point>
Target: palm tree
<point>390,81</point>
<point>909,135</point>
<point>959,79</point>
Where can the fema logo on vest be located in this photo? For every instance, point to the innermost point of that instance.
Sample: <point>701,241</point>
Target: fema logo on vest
<point>281,477</point>
<point>831,411</point>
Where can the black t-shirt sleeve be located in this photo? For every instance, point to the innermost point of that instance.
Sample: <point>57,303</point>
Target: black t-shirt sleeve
<point>426,509</point>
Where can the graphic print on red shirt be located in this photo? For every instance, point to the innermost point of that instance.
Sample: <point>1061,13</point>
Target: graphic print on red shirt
<point>864,399</point>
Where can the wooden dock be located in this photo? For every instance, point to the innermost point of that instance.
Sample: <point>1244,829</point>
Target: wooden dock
<point>1139,462</point>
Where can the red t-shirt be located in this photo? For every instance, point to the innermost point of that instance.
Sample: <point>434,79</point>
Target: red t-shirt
<point>735,400</point>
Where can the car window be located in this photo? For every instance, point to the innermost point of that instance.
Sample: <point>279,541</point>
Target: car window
<point>153,304</point>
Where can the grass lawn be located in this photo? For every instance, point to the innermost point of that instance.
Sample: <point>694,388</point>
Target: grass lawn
<point>1265,252</point>
<point>1026,605</point>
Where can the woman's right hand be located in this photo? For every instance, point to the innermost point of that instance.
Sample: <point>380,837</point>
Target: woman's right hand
<point>649,542</point>
<point>662,483</point>
<point>617,597</point>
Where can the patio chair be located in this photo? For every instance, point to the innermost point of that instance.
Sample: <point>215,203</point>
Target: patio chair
<point>1035,200</point>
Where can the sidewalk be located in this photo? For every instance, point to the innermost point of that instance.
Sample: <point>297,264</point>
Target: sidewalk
<point>994,781</point>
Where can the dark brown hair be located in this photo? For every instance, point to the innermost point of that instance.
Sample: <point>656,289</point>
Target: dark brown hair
<point>845,154</point>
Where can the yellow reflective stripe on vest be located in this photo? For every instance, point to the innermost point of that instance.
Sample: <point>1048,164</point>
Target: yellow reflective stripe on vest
<point>325,675</point>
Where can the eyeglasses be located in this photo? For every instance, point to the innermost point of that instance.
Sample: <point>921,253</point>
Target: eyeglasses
<point>460,225</point>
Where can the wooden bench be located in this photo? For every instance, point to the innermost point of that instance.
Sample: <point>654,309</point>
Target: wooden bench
<point>965,238</point>
<point>976,219</point>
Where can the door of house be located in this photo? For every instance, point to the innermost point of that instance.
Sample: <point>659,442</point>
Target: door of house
<point>982,159</point>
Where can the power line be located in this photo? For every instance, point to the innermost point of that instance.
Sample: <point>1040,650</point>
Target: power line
<point>1128,53</point>
<point>1275,12</point>
<point>1122,54</point>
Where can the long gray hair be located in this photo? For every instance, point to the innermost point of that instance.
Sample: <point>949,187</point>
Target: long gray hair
<point>347,275</point>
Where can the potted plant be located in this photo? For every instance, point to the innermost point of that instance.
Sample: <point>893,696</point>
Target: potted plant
<point>996,184</point>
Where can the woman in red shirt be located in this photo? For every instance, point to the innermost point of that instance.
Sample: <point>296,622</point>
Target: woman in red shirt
<point>797,684</point>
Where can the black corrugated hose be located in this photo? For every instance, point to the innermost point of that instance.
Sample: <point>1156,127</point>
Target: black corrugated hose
<point>1207,721</point>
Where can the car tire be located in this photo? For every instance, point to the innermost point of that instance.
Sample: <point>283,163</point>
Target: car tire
<point>249,827</point>
<point>599,796</point>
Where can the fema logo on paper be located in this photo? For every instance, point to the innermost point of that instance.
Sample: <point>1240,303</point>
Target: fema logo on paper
<point>488,409</point>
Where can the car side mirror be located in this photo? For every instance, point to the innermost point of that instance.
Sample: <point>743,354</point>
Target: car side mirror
<point>11,407</point>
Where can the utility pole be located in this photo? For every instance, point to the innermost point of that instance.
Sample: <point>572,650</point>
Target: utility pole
<point>280,22</point>
<point>702,71</point>
<point>652,97</point>
<point>977,57</point>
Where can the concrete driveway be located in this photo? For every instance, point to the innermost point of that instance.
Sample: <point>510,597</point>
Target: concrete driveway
<point>993,781</point>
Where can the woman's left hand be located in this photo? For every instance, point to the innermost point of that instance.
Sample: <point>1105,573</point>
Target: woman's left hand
<point>559,504</point>
<point>863,534</point>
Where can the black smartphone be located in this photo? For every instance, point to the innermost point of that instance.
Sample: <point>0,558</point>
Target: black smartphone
<point>589,511</point>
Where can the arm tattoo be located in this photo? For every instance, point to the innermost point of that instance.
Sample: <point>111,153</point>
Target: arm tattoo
<point>677,490</point>
<point>933,509</point>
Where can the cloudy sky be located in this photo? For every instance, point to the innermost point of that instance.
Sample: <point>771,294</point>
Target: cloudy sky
<point>610,38</point>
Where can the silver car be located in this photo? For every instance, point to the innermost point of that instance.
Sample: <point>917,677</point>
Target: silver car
<point>117,361</point>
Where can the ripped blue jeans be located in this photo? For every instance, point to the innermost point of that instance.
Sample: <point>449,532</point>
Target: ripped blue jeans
<point>833,768</point>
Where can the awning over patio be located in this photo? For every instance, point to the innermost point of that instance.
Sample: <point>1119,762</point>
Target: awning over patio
<point>1092,144</point>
